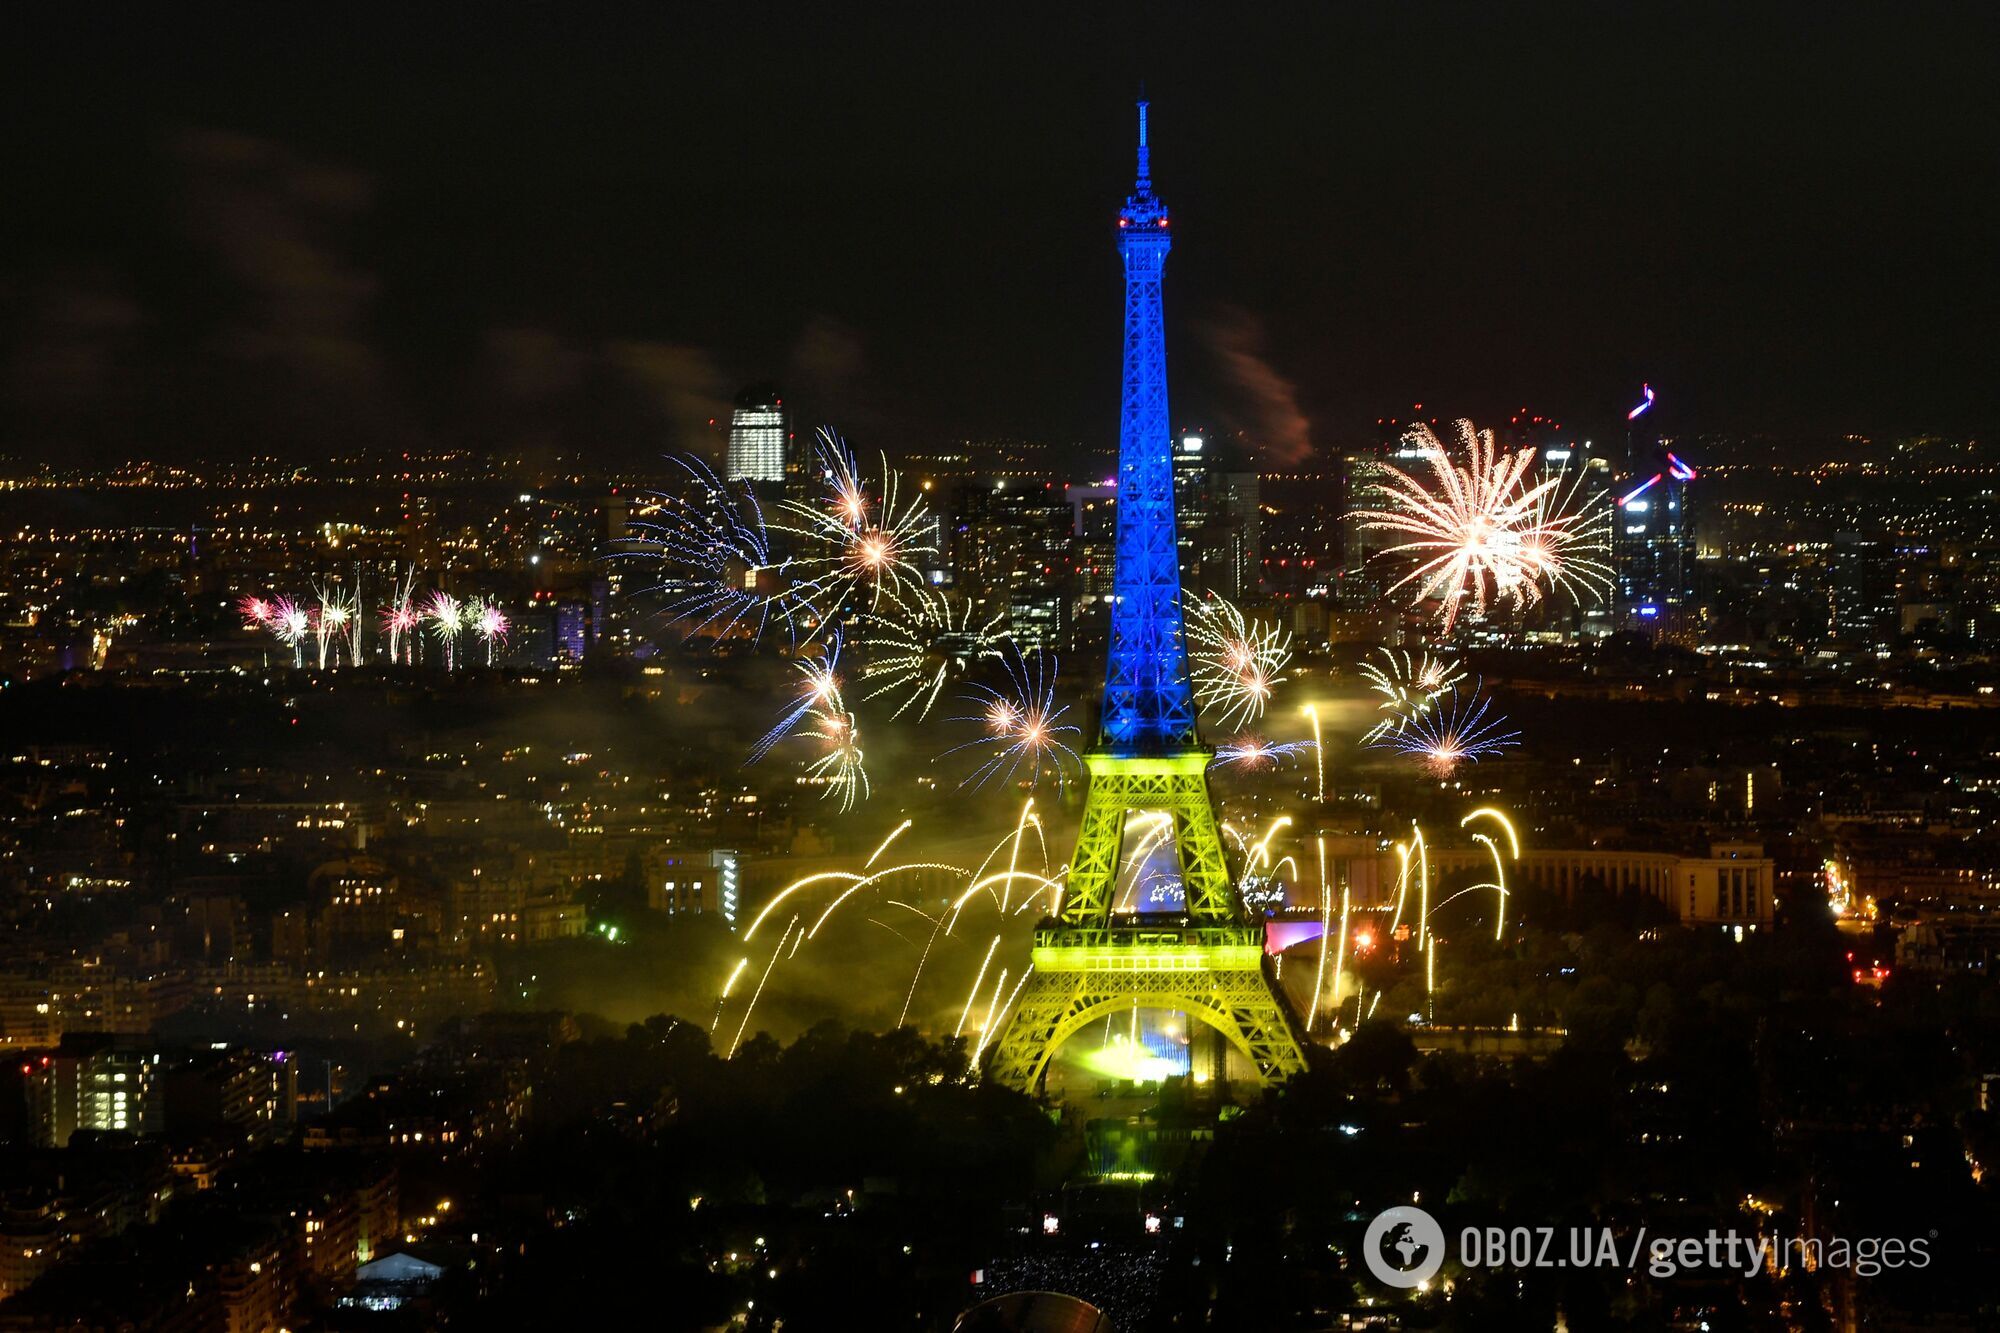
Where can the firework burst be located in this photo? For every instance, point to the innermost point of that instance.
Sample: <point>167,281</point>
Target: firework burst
<point>922,645</point>
<point>487,621</point>
<point>717,569</point>
<point>400,623</point>
<point>1021,726</point>
<point>1408,686</point>
<point>1458,728</point>
<point>855,544</point>
<point>841,766</point>
<point>287,622</point>
<point>820,713</point>
<point>331,622</point>
<point>819,692</point>
<point>1236,661</point>
<point>292,624</point>
<point>1255,754</point>
<point>1483,533</point>
<point>445,615</point>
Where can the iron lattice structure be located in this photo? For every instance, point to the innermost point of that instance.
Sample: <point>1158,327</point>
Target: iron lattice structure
<point>1207,961</point>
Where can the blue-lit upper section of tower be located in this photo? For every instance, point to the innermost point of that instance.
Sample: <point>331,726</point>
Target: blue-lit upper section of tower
<point>1148,699</point>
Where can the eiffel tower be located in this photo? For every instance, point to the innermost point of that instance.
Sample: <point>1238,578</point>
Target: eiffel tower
<point>1208,959</point>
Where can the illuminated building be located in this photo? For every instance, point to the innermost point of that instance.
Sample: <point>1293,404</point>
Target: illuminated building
<point>1191,470</point>
<point>698,882</point>
<point>1009,540</point>
<point>1233,548</point>
<point>94,1081</point>
<point>1219,519</point>
<point>1864,576</point>
<point>1652,534</point>
<point>757,436</point>
<point>1734,886</point>
<point>1203,956</point>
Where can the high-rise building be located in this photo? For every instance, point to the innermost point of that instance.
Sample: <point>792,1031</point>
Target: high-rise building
<point>1864,574</point>
<point>757,436</point>
<point>1006,538</point>
<point>1233,560</point>
<point>1191,471</point>
<point>1652,536</point>
<point>95,1081</point>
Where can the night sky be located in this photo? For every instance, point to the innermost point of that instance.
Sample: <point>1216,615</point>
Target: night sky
<point>243,232</point>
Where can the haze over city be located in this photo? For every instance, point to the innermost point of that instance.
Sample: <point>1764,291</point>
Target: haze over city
<point>1309,669</point>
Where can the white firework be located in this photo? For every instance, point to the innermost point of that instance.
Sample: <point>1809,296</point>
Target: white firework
<point>1408,686</point>
<point>854,545</point>
<point>923,643</point>
<point>1237,662</point>
<point>1482,533</point>
<point>716,568</point>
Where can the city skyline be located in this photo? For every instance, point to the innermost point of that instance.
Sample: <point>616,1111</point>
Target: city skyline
<point>535,793</point>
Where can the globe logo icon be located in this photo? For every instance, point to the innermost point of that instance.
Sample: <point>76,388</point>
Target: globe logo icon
<point>1404,1246</point>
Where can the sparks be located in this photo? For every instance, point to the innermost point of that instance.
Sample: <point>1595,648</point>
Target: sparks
<point>489,622</point>
<point>1456,730</point>
<point>1236,662</point>
<point>446,615</point>
<point>856,547</point>
<point>401,620</point>
<point>1408,686</point>
<point>1021,726</point>
<point>922,645</point>
<point>1253,753</point>
<point>820,713</point>
<point>1483,534</point>
<point>717,574</point>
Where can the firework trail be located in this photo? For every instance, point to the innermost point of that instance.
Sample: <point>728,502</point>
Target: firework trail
<point>819,693</point>
<point>855,544</point>
<point>1456,730</point>
<point>989,884</point>
<point>717,568</point>
<point>446,617</point>
<point>1021,726</point>
<point>356,622</point>
<point>1236,661</point>
<point>1408,686</point>
<point>920,647</point>
<point>401,620</point>
<point>1482,533</point>
<point>1254,753</point>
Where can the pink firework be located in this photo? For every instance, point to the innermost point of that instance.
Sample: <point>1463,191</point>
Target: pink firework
<point>399,623</point>
<point>489,622</point>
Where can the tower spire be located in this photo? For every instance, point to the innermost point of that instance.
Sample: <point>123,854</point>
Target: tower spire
<point>1105,954</point>
<point>1145,183</point>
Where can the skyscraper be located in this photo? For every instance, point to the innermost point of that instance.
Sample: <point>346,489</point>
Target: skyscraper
<point>757,436</point>
<point>1653,532</point>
